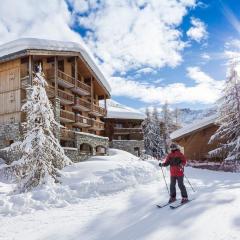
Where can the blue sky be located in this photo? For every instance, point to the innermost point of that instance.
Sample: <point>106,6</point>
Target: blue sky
<point>206,55</point>
<point>151,51</point>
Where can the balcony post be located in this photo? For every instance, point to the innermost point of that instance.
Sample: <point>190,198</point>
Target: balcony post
<point>91,93</point>
<point>30,69</point>
<point>105,105</point>
<point>76,71</point>
<point>56,75</point>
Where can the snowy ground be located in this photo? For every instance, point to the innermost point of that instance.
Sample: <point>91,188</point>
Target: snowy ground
<point>90,206</point>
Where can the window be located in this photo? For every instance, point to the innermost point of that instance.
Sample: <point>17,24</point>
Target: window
<point>61,65</point>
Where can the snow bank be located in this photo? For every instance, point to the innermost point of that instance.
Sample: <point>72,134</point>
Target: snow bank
<point>100,175</point>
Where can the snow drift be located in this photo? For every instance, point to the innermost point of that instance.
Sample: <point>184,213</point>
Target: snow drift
<point>98,176</point>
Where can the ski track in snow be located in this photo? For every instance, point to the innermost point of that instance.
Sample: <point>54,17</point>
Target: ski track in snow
<point>132,214</point>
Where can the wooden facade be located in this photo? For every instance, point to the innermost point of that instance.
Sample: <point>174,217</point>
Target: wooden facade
<point>123,129</point>
<point>195,143</point>
<point>70,79</point>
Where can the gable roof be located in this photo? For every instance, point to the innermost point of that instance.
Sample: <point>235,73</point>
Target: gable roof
<point>195,126</point>
<point>23,44</point>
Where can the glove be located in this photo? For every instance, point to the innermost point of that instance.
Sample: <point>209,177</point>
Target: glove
<point>160,164</point>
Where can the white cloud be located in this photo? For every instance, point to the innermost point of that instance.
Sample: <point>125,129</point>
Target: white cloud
<point>206,90</point>
<point>131,34</point>
<point>198,31</point>
<point>232,49</point>
<point>146,70</point>
<point>33,18</point>
<point>205,56</point>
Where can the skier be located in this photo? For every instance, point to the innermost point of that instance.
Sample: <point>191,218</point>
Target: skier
<point>177,161</point>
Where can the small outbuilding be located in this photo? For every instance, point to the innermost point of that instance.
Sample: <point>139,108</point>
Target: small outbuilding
<point>194,138</point>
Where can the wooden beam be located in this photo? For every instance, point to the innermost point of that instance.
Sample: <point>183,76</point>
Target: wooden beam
<point>30,69</point>
<point>76,71</point>
<point>56,75</point>
<point>92,92</point>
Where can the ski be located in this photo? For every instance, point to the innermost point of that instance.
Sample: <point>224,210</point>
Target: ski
<point>179,204</point>
<point>165,204</point>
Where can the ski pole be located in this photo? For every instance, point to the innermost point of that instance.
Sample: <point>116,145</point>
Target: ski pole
<point>189,183</point>
<point>165,180</point>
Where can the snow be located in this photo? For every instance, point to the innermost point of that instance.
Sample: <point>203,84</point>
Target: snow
<point>132,214</point>
<point>98,176</point>
<point>52,45</point>
<point>119,111</point>
<point>194,126</point>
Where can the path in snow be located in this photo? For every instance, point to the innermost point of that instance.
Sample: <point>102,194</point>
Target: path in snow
<point>132,214</point>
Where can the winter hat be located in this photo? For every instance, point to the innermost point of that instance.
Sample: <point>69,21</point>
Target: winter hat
<point>174,146</point>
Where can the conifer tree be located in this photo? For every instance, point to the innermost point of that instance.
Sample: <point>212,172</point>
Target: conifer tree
<point>228,133</point>
<point>42,155</point>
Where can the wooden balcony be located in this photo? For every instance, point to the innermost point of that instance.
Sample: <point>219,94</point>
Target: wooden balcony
<point>66,116</point>
<point>82,105</point>
<point>98,111</point>
<point>127,130</point>
<point>65,97</point>
<point>66,134</point>
<point>97,125</point>
<point>82,121</point>
<point>63,79</point>
<point>82,89</point>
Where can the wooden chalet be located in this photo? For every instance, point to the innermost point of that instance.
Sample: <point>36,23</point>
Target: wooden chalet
<point>194,138</point>
<point>75,87</point>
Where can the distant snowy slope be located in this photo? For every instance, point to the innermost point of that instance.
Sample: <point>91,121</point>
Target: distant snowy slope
<point>187,115</point>
<point>117,110</point>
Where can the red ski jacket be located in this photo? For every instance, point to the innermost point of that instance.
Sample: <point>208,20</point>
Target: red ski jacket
<point>177,161</point>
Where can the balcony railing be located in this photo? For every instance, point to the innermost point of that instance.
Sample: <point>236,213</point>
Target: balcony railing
<point>127,130</point>
<point>98,111</point>
<point>66,77</point>
<point>97,125</point>
<point>82,102</point>
<point>63,79</point>
<point>65,96</point>
<point>83,121</point>
<point>67,134</point>
<point>67,116</point>
<point>83,86</point>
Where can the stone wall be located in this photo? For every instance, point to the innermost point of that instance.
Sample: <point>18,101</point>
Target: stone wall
<point>14,132</point>
<point>93,140</point>
<point>132,146</point>
<point>10,132</point>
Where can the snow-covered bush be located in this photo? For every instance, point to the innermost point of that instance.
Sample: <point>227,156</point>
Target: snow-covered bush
<point>228,133</point>
<point>42,155</point>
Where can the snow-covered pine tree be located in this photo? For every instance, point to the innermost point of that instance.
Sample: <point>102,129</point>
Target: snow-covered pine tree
<point>228,134</point>
<point>153,142</point>
<point>42,155</point>
<point>157,137</point>
<point>146,126</point>
<point>166,126</point>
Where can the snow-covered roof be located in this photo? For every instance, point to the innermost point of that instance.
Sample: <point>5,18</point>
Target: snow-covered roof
<point>22,44</point>
<point>197,125</point>
<point>119,111</point>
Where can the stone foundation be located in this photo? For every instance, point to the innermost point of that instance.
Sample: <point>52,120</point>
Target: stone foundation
<point>10,133</point>
<point>132,146</point>
<point>86,144</point>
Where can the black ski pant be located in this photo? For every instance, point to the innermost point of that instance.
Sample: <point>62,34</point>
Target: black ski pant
<point>180,185</point>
